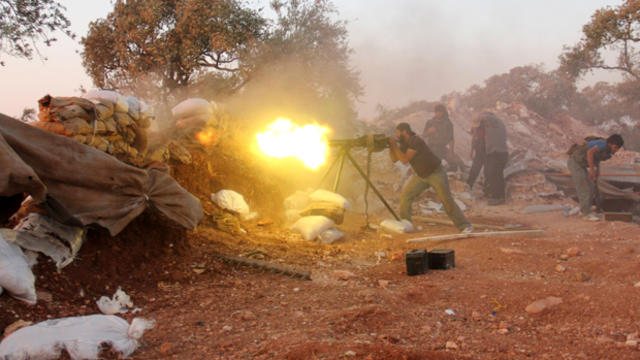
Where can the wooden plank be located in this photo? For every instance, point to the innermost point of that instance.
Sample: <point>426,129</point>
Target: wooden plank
<point>473,235</point>
<point>275,268</point>
<point>449,222</point>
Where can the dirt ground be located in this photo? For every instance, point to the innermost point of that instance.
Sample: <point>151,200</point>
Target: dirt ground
<point>359,303</point>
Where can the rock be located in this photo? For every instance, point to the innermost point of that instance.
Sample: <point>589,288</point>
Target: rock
<point>476,316</point>
<point>574,251</point>
<point>226,328</point>
<point>383,283</point>
<point>564,257</point>
<point>350,353</point>
<point>582,277</point>
<point>637,284</point>
<point>632,343</point>
<point>343,275</point>
<point>540,305</point>
<point>632,336</point>
<point>16,326</point>
<point>503,325</point>
<point>44,296</point>
<point>604,340</point>
<point>503,331</point>
<point>246,315</point>
<point>165,348</point>
<point>511,251</point>
<point>560,268</point>
<point>450,345</point>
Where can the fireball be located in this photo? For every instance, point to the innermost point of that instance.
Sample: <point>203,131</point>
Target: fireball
<point>207,137</point>
<point>284,139</point>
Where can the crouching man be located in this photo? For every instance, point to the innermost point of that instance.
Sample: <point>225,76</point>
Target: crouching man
<point>409,148</point>
<point>584,165</point>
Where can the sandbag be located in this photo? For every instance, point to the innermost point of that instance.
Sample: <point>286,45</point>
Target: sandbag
<point>330,236</point>
<point>104,111</point>
<point>123,119</point>
<point>399,227</point>
<point>231,200</point>
<point>77,126</point>
<point>199,120</point>
<point>141,141</point>
<point>110,126</point>
<point>297,201</point>
<point>15,275</point>
<point>191,107</point>
<point>312,226</point>
<point>53,127</point>
<point>82,338</point>
<point>108,97</point>
<point>72,111</point>
<point>328,196</point>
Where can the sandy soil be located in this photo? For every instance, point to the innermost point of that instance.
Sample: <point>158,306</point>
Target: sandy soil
<point>359,303</point>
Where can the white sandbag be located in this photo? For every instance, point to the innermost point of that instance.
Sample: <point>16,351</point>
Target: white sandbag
<point>399,227</point>
<point>118,303</point>
<point>292,215</point>
<point>15,275</point>
<point>330,236</point>
<point>297,201</point>
<point>231,200</point>
<point>328,196</point>
<point>108,97</point>
<point>191,107</point>
<point>80,336</point>
<point>312,226</point>
<point>40,233</point>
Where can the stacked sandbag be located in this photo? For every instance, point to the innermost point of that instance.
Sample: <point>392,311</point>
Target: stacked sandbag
<point>103,119</point>
<point>315,214</point>
<point>192,112</point>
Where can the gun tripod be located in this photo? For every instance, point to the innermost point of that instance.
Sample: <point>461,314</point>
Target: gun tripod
<point>338,162</point>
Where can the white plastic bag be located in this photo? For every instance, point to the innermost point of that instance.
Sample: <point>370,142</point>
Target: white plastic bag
<point>330,236</point>
<point>108,97</point>
<point>312,226</point>
<point>118,303</point>
<point>231,200</point>
<point>80,336</point>
<point>328,196</point>
<point>191,107</point>
<point>400,227</point>
<point>15,275</point>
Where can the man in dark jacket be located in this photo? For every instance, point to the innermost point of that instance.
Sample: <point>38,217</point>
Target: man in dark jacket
<point>496,156</point>
<point>409,148</point>
<point>588,156</point>
<point>438,134</point>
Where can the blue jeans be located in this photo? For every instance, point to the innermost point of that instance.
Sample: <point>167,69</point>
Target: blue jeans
<point>438,180</point>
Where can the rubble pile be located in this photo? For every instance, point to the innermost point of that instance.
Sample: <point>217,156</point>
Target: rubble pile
<point>105,120</point>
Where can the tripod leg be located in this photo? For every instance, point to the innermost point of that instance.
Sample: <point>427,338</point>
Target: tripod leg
<point>336,182</point>
<point>326,174</point>
<point>366,178</point>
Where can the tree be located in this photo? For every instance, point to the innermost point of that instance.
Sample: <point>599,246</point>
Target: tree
<point>611,30</point>
<point>150,46</point>
<point>303,66</point>
<point>543,92</point>
<point>25,22</point>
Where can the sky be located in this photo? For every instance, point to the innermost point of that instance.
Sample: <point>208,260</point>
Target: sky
<point>405,50</point>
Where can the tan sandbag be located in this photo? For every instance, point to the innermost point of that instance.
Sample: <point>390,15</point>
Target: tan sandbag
<point>77,126</point>
<point>80,138</point>
<point>110,125</point>
<point>144,122</point>
<point>61,101</point>
<point>141,141</point>
<point>159,154</point>
<point>179,153</point>
<point>99,143</point>
<point>100,127</point>
<point>123,119</point>
<point>72,111</point>
<point>129,135</point>
<point>54,127</point>
<point>104,111</point>
<point>113,138</point>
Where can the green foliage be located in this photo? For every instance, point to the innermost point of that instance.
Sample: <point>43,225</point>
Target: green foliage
<point>611,30</point>
<point>24,22</point>
<point>169,43</point>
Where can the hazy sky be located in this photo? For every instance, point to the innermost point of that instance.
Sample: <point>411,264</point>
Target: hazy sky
<point>405,50</point>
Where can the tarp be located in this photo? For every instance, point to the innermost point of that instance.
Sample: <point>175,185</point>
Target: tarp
<point>82,185</point>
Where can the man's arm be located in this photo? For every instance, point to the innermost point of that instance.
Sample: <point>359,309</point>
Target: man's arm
<point>396,153</point>
<point>593,171</point>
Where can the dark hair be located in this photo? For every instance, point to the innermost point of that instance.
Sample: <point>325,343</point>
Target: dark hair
<point>615,139</point>
<point>403,126</point>
<point>440,108</point>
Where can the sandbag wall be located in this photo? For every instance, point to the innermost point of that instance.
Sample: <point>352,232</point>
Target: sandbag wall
<point>103,119</point>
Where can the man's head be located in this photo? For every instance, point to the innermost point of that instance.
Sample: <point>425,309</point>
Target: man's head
<point>403,131</point>
<point>440,111</point>
<point>615,142</point>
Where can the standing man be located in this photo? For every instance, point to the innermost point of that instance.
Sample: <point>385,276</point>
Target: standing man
<point>477,152</point>
<point>496,156</point>
<point>588,156</point>
<point>438,134</point>
<point>409,148</point>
